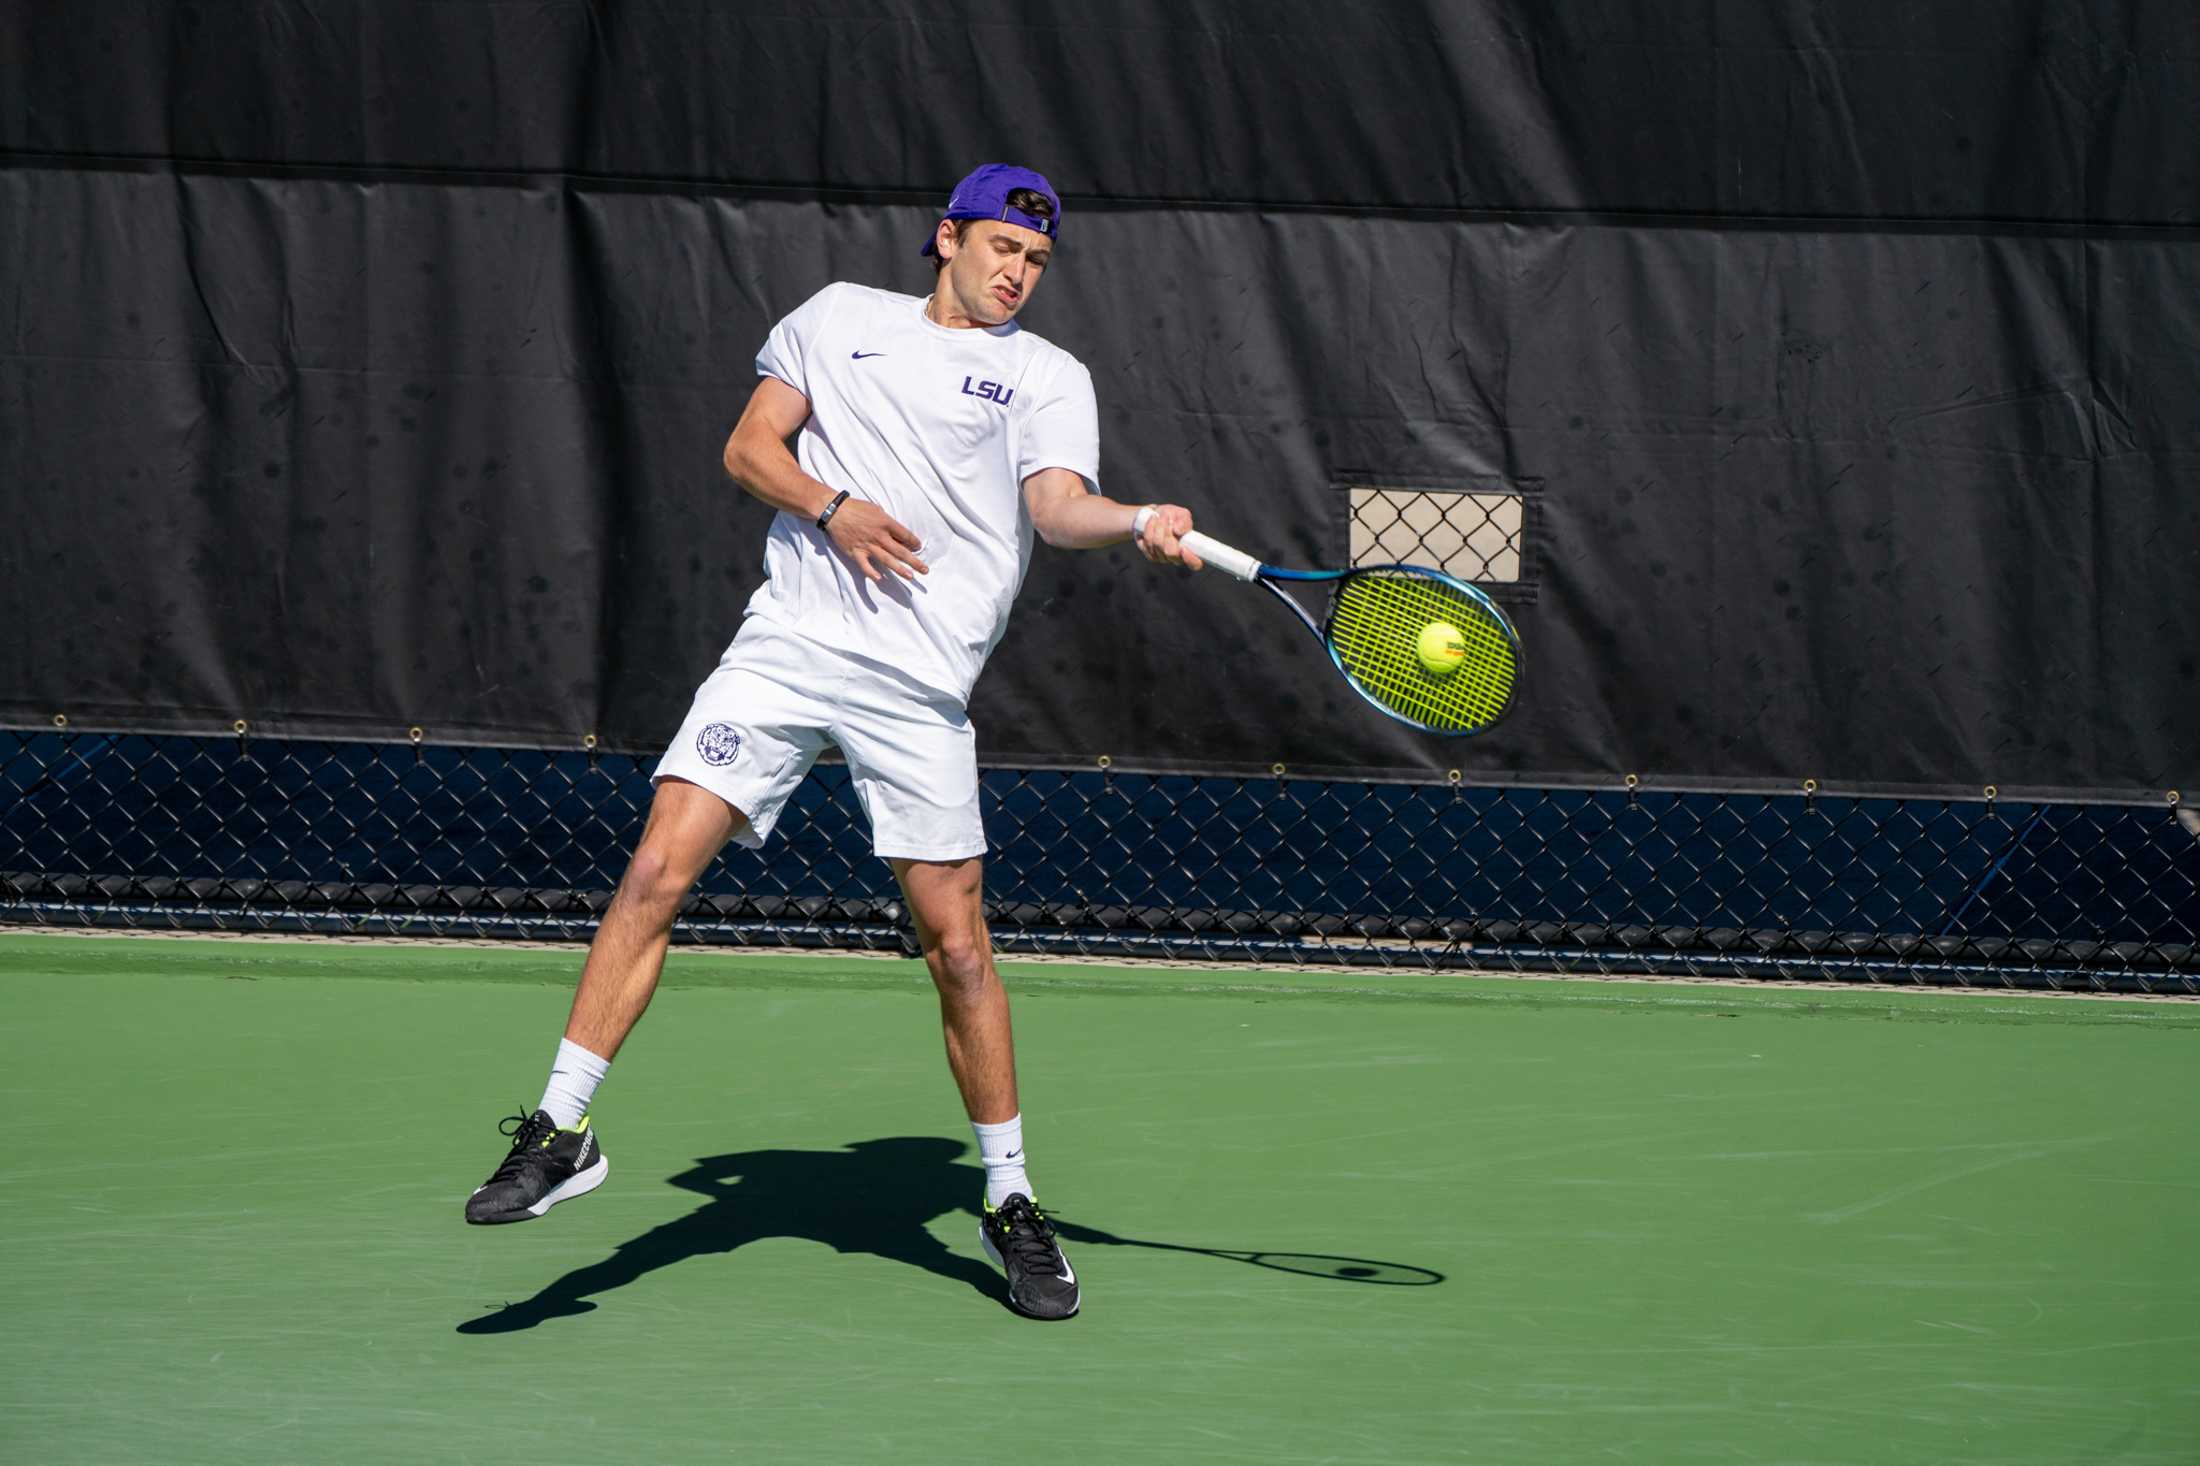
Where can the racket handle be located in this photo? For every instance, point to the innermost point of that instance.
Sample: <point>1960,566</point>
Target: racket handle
<point>1222,557</point>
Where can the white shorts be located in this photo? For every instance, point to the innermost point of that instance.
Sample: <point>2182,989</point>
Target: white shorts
<point>777,700</point>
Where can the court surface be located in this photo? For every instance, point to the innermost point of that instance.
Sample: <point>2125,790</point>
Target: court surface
<point>1496,1220</point>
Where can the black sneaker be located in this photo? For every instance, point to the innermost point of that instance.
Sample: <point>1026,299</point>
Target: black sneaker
<point>1020,1239</point>
<point>545,1166</point>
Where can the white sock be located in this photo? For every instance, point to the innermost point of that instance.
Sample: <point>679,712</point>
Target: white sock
<point>574,1076</point>
<point>1001,1147</point>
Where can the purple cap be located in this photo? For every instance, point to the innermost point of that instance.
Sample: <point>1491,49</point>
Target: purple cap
<point>984,195</point>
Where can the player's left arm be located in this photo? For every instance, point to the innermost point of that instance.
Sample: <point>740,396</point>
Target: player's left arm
<point>1069,518</point>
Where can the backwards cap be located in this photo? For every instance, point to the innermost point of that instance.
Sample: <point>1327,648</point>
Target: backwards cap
<point>984,195</point>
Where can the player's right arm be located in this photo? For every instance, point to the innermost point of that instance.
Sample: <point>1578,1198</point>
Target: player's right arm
<point>758,460</point>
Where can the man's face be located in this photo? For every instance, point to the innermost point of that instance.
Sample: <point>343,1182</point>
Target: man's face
<point>992,270</point>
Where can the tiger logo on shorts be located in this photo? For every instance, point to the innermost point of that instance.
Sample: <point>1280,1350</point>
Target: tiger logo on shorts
<point>719,744</point>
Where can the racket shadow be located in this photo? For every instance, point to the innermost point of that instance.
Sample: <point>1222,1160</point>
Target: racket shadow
<point>1304,1264</point>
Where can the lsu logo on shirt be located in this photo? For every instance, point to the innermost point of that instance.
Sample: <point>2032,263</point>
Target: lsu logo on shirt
<point>990,391</point>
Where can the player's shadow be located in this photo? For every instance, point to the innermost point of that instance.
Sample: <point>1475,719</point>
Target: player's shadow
<point>877,1197</point>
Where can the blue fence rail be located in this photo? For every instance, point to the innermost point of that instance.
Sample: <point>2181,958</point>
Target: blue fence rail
<point>176,831</point>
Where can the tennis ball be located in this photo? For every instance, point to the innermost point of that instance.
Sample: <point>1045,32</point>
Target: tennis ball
<point>1441,648</point>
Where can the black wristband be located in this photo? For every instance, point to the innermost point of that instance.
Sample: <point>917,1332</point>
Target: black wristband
<point>832,508</point>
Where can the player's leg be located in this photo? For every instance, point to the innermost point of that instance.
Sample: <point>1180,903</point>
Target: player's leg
<point>687,827</point>
<point>947,900</point>
<point>554,1155</point>
<point>749,738</point>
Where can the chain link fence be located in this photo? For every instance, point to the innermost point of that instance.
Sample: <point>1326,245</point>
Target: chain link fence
<point>170,831</point>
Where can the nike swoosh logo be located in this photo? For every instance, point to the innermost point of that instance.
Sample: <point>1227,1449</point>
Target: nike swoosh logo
<point>1012,1155</point>
<point>863,355</point>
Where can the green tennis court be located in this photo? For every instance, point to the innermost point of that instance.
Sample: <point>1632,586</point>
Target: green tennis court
<point>1325,1217</point>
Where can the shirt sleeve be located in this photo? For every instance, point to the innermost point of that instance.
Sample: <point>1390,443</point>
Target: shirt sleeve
<point>1064,429</point>
<point>786,351</point>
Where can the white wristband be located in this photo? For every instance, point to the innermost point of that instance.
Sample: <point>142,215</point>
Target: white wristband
<point>1140,520</point>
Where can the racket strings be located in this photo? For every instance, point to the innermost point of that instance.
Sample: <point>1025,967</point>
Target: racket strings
<point>1374,626</point>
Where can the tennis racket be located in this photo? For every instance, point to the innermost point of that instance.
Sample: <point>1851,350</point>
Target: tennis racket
<point>1425,648</point>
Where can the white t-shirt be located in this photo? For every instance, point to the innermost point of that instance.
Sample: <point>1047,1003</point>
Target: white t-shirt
<point>939,427</point>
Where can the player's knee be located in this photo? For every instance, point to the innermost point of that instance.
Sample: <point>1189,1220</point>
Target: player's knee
<point>962,964</point>
<point>653,883</point>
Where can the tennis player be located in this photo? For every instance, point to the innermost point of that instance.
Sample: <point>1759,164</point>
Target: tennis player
<point>934,438</point>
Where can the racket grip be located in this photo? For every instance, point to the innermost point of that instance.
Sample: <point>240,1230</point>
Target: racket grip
<point>1229,561</point>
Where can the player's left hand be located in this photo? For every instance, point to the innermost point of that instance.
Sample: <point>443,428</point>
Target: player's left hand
<point>1160,540</point>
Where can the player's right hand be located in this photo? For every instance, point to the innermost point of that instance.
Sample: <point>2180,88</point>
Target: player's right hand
<point>1161,540</point>
<point>875,541</point>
